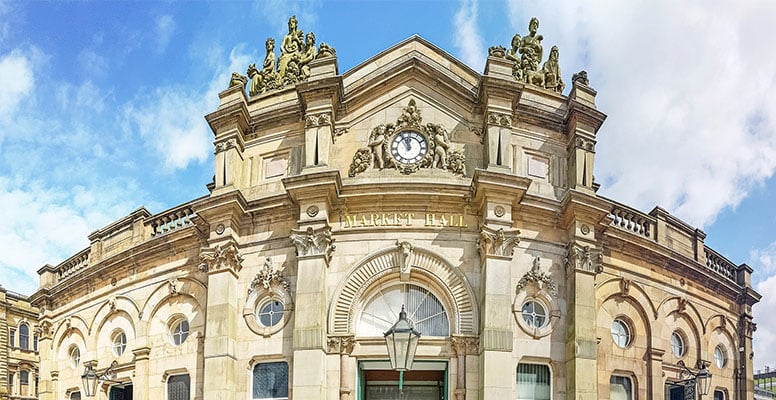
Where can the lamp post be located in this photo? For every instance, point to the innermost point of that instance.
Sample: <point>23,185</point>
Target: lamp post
<point>699,381</point>
<point>90,378</point>
<point>402,341</point>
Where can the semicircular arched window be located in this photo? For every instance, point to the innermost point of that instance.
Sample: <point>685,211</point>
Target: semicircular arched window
<point>423,309</point>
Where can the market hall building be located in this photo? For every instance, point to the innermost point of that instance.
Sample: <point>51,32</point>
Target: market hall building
<point>409,182</point>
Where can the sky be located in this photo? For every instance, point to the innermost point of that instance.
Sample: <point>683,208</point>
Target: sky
<point>102,105</point>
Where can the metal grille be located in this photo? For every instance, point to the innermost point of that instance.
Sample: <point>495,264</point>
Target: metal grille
<point>178,387</point>
<point>270,381</point>
<point>533,382</point>
<point>423,309</point>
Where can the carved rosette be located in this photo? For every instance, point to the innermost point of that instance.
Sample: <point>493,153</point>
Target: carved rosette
<point>226,257</point>
<point>499,242</point>
<point>268,278</point>
<point>583,258</point>
<point>584,143</point>
<point>542,280</point>
<point>313,242</point>
<point>499,119</point>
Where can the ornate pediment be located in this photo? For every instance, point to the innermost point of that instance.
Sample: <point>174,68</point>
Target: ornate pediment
<point>408,146</point>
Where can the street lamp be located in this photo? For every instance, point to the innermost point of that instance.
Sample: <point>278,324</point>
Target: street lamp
<point>700,379</point>
<point>90,378</point>
<point>402,341</point>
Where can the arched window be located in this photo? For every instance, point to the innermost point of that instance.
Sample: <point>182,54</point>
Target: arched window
<point>423,309</point>
<point>24,336</point>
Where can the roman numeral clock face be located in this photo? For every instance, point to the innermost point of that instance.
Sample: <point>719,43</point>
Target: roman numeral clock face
<point>409,147</point>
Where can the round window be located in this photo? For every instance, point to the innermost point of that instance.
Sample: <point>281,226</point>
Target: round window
<point>270,313</point>
<point>677,344</point>
<point>75,356</point>
<point>719,356</point>
<point>119,343</point>
<point>179,331</point>
<point>621,335</point>
<point>534,314</point>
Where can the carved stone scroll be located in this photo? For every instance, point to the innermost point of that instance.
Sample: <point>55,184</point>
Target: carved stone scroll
<point>313,242</point>
<point>221,258</point>
<point>499,242</point>
<point>583,258</point>
<point>542,280</point>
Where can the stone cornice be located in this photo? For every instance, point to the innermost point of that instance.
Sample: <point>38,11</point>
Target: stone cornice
<point>578,205</point>
<point>232,115</point>
<point>317,185</point>
<point>498,186</point>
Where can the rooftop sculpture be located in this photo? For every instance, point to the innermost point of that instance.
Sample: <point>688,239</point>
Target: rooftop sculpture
<point>291,67</point>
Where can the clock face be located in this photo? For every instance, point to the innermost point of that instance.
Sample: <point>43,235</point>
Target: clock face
<point>409,147</point>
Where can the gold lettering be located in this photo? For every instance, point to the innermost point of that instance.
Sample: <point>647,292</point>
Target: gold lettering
<point>351,220</point>
<point>410,217</point>
<point>452,220</point>
<point>386,220</point>
<point>396,219</point>
<point>460,222</point>
<point>364,221</point>
<point>442,220</point>
<point>374,219</point>
<point>430,219</point>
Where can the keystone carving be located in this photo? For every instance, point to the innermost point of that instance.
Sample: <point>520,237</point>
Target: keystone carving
<point>269,277</point>
<point>313,242</point>
<point>498,242</point>
<point>542,280</point>
<point>584,258</point>
<point>220,257</point>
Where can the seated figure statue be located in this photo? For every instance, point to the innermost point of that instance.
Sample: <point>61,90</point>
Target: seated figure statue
<point>533,41</point>
<point>551,71</point>
<point>290,47</point>
<point>260,80</point>
<point>308,54</point>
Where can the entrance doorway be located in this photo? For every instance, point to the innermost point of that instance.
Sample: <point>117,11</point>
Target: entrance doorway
<point>121,392</point>
<point>426,381</point>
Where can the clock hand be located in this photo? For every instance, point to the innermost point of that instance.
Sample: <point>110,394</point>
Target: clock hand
<point>407,143</point>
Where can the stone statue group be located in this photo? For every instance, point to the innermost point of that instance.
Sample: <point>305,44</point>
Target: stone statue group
<point>526,52</point>
<point>296,53</point>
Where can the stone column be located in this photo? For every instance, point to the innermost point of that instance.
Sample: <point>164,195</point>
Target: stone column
<point>317,139</point>
<point>499,134</point>
<point>222,264</point>
<point>347,383</point>
<point>47,376</point>
<point>582,265</point>
<point>463,346</point>
<point>654,377</point>
<point>140,380</point>
<point>313,248</point>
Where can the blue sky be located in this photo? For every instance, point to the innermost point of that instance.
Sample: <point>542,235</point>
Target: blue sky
<point>102,105</point>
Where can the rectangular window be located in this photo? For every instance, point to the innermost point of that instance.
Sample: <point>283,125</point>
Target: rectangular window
<point>10,383</point>
<point>12,338</point>
<point>35,342</point>
<point>75,396</point>
<point>270,381</point>
<point>533,382</point>
<point>719,395</point>
<point>178,387</point>
<point>620,388</point>
<point>24,378</point>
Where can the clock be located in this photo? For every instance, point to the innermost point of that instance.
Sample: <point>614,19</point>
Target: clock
<point>409,147</point>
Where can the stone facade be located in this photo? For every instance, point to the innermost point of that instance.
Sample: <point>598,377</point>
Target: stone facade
<point>19,360</point>
<point>408,180</point>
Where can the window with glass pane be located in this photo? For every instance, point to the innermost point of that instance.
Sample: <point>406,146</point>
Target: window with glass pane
<point>270,313</point>
<point>178,387</point>
<point>533,382</point>
<point>620,333</point>
<point>35,342</point>
<point>179,332</point>
<point>12,338</point>
<point>677,344</point>
<point>423,309</point>
<point>719,395</point>
<point>75,396</point>
<point>270,381</point>
<point>11,382</point>
<point>534,314</point>
<point>24,378</point>
<point>24,337</point>
<point>75,357</point>
<point>620,388</point>
<point>719,356</point>
<point>119,343</point>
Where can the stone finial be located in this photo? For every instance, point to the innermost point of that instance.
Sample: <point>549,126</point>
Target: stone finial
<point>238,80</point>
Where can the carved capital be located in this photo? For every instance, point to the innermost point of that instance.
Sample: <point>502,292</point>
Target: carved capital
<point>465,345</point>
<point>316,120</point>
<point>226,257</point>
<point>499,242</point>
<point>341,344</point>
<point>583,258</point>
<point>584,143</point>
<point>270,277</point>
<point>225,145</point>
<point>542,280</point>
<point>746,327</point>
<point>313,242</point>
<point>499,119</point>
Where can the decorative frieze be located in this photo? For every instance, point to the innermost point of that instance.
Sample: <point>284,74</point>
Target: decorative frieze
<point>316,120</point>
<point>583,258</point>
<point>499,242</point>
<point>313,242</point>
<point>542,280</point>
<point>221,258</point>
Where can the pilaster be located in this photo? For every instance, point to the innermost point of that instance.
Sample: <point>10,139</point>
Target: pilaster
<point>140,379</point>
<point>320,96</point>
<point>222,264</point>
<point>500,92</point>
<point>229,124</point>
<point>582,124</point>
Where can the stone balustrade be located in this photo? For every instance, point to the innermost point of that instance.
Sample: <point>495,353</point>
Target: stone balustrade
<point>632,220</point>
<point>720,265</point>
<point>73,264</point>
<point>170,220</point>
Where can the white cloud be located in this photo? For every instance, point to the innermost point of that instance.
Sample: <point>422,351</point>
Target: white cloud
<point>170,119</point>
<point>688,91</point>
<point>49,224</point>
<point>163,30</point>
<point>16,80</point>
<point>93,64</point>
<point>277,13</point>
<point>467,37</point>
<point>765,260</point>
<point>765,336</point>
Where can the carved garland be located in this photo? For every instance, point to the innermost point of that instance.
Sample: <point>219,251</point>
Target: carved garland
<point>542,280</point>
